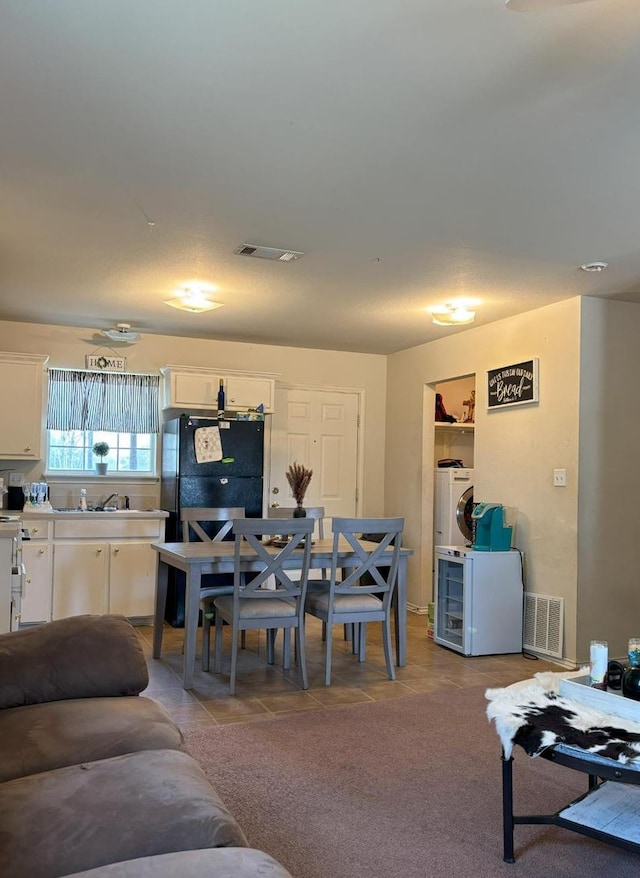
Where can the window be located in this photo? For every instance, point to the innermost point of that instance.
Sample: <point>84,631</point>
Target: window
<point>72,451</point>
<point>85,407</point>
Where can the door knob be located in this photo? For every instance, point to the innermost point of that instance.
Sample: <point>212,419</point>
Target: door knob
<point>275,504</point>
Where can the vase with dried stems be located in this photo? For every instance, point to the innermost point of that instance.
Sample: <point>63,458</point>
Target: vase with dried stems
<point>299,477</point>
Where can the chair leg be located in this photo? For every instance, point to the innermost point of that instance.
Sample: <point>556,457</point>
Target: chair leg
<point>217,653</point>
<point>327,658</point>
<point>300,650</point>
<point>386,642</point>
<point>286,649</point>
<point>271,639</point>
<point>362,635</point>
<point>207,616</point>
<point>234,660</point>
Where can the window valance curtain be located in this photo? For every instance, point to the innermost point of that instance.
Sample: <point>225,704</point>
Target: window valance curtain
<point>118,402</point>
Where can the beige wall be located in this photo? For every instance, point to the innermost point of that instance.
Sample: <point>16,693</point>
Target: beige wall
<point>67,347</point>
<point>608,522</point>
<point>515,449</point>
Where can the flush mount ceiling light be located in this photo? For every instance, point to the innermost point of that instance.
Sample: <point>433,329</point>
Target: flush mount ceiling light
<point>452,314</point>
<point>122,332</point>
<point>192,299</point>
<point>594,266</point>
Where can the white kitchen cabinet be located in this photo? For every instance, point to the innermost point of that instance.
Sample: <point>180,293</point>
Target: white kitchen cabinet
<point>37,558</point>
<point>22,404</point>
<point>94,563</point>
<point>132,579</point>
<point>193,389</point>
<point>242,393</point>
<point>80,582</point>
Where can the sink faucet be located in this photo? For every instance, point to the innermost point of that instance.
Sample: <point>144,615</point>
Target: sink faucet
<point>110,497</point>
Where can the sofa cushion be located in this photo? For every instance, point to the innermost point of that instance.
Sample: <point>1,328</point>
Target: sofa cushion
<point>221,862</point>
<point>77,818</point>
<point>79,657</point>
<point>41,737</point>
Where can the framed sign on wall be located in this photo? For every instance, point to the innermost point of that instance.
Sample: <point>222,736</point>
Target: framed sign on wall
<point>513,385</point>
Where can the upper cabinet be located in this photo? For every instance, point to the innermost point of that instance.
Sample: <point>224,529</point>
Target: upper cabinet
<point>193,389</point>
<point>22,401</point>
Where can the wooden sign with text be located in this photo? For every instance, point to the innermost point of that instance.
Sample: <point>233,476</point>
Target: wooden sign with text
<point>513,385</point>
<point>106,364</point>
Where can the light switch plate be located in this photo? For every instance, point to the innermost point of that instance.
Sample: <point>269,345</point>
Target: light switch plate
<point>559,478</point>
<point>16,480</point>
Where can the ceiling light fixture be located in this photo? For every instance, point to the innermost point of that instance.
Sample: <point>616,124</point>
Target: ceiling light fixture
<point>192,299</point>
<point>452,314</point>
<point>122,332</point>
<point>594,266</point>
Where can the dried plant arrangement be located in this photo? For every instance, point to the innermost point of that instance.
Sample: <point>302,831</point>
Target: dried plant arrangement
<point>298,477</point>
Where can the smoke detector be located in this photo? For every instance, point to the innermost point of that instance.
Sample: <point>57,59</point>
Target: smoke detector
<point>259,252</point>
<point>122,332</point>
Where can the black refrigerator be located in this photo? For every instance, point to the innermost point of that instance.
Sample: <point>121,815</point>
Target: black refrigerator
<point>235,479</point>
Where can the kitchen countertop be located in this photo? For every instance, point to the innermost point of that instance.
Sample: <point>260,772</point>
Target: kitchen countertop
<point>53,515</point>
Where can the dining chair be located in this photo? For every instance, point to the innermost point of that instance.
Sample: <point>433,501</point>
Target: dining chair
<point>315,512</point>
<point>317,578</point>
<point>352,600</point>
<point>213,524</point>
<point>254,604</point>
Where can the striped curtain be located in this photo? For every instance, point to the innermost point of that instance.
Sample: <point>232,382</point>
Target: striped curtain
<point>113,401</point>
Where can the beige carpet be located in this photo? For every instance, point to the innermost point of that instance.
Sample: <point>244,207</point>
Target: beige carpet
<point>396,789</point>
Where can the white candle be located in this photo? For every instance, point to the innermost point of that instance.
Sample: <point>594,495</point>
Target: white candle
<point>599,655</point>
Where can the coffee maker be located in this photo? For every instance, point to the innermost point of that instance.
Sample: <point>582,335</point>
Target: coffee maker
<point>490,533</point>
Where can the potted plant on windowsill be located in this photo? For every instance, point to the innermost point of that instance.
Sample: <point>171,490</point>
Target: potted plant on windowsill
<point>101,449</point>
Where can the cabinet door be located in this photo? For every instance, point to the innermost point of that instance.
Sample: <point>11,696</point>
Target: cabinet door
<point>244,393</point>
<point>21,402</point>
<point>38,563</point>
<point>132,579</point>
<point>193,390</point>
<point>80,579</point>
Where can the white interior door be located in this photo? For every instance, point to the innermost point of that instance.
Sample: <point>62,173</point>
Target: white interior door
<point>319,429</point>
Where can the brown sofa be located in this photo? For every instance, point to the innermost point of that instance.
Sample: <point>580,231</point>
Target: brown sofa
<point>94,779</point>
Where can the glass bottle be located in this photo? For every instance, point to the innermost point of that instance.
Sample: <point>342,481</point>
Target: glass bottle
<point>221,396</point>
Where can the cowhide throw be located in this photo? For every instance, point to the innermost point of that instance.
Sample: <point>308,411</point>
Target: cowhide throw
<point>533,715</point>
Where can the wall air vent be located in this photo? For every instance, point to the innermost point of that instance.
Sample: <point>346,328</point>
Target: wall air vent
<point>259,252</point>
<point>543,624</point>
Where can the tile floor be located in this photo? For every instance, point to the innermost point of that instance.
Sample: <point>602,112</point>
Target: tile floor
<point>264,691</point>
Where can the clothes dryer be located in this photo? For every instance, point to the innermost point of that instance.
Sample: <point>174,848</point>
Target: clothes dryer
<point>453,505</point>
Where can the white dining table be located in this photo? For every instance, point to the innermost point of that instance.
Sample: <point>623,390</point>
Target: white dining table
<point>198,559</point>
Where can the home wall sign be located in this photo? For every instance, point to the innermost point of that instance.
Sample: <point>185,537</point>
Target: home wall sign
<point>513,385</point>
<point>106,364</point>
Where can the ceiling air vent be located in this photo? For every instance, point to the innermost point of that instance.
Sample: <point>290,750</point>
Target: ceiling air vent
<point>267,253</point>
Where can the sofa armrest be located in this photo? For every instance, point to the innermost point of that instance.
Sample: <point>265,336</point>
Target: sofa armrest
<point>78,657</point>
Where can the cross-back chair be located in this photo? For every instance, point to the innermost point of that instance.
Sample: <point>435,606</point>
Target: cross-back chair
<point>253,603</point>
<point>364,592</point>
<point>213,524</point>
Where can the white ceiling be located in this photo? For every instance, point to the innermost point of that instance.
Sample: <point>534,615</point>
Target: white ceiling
<point>415,150</point>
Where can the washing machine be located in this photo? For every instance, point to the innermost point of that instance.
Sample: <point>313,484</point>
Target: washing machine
<point>453,505</point>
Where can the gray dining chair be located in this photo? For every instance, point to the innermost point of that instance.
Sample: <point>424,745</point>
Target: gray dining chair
<point>363,592</point>
<point>318,515</point>
<point>210,523</point>
<point>315,512</point>
<point>254,604</point>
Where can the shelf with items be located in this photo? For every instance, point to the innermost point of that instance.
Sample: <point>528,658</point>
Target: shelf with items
<point>446,427</point>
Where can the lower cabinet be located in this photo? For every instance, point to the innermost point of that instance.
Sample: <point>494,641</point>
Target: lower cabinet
<point>90,566</point>
<point>80,583</point>
<point>132,579</point>
<point>104,578</point>
<point>37,558</point>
